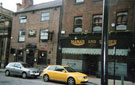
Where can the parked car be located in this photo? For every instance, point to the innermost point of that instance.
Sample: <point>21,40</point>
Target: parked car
<point>21,68</point>
<point>64,74</point>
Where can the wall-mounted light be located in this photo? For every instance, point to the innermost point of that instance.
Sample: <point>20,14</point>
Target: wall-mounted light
<point>75,38</point>
<point>63,32</point>
<point>113,24</point>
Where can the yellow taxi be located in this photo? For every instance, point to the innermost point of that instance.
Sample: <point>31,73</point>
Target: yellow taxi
<point>64,74</point>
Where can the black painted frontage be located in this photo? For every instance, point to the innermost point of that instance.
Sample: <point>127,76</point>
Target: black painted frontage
<point>83,52</point>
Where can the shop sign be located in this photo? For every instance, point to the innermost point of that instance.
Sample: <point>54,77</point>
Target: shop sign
<point>110,42</point>
<point>78,42</point>
<point>92,42</point>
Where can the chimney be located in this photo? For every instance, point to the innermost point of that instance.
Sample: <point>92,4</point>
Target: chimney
<point>19,6</point>
<point>26,3</point>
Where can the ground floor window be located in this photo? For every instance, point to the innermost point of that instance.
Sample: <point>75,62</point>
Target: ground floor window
<point>42,58</point>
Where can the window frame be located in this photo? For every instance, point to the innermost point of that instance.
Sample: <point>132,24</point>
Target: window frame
<point>118,15</point>
<point>79,1</point>
<point>77,25</point>
<point>100,17</point>
<point>45,16</point>
<point>23,19</point>
<point>43,40</point>
<point>19,35</point>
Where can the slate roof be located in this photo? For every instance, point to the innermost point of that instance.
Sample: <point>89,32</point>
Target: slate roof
<point>41,6</point>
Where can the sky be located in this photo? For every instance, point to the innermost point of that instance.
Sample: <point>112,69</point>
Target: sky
<point>11,4</point>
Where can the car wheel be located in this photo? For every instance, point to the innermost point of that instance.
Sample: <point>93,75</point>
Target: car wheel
<point>46,78</point>
<point>24,75</point>
<point>7,73</point>
<point>71,81</point>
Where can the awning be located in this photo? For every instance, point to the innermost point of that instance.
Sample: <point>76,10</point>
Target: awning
<point>94,51</point>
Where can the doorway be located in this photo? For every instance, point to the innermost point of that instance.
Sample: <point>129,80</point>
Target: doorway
<point>30,57</point>
<point>91,64</point>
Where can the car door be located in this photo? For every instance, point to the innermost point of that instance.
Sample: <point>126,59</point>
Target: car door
<point>61,74</point>
<point>51,72</point>
<point>17,69</point>
<point>11,68</point>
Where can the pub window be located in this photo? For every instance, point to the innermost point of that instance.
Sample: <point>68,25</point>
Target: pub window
<point>97,23</point>
<point>45,16</point>
<point>121,22</point>
<point>23,19</point>
<point>78,24</point>
<point>21,36</point>
<point>42,58</point>
<point>79,1</point>
<point>32,33</point>
<point>43,35</point>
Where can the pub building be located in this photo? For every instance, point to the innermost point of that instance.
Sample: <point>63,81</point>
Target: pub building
<point>83,52</point>
<point>80,39</point>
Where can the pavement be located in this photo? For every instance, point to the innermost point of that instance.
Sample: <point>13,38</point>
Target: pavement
<point>97,81</point>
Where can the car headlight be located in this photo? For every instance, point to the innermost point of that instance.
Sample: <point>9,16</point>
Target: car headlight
<point>80,77</point>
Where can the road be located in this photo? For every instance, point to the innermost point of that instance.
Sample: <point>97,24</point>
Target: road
<point>17,80</point>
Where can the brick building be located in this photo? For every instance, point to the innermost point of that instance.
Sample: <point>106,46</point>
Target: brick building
<point>35,32</point>
<point>81,36</point>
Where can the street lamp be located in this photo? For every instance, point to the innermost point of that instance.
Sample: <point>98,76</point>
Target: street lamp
<point>114,52</point>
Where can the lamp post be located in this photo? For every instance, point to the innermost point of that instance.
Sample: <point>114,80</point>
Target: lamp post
<point>105,27</point>
<point>114,52</point>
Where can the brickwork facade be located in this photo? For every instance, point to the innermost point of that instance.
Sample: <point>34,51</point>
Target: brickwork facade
<point>92,7</point>
<point>44,52</point>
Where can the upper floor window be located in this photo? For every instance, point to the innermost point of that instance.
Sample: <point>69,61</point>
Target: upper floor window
<point>23,19</point>
<point>121,21</point>
<point>45,16</point>
<point>43,35</point>
<point>97,23</point>
<point>79,1</point>
<point>78,24</point>
<point>21,36</point>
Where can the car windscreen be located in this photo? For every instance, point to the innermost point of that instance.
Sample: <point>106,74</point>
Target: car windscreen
<point>69,69</point>
<point>26,65</point>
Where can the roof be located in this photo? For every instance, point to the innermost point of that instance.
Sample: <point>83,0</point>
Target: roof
<point>46,5</point>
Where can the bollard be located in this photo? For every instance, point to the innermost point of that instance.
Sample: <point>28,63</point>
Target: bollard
<point>122,79</point>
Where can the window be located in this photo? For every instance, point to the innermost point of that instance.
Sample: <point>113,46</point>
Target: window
<point>23,19</point>
<point>97,23</point>
<point>78,24</point>
<point>58,68</point>
<point>79,1</point>
<point>21,36</point>
<point>121,23</point>
<point>52,68</point>
<point>17,65</point>
<point>45,16</point>
<point>43,35</point>
<point>32,33</point>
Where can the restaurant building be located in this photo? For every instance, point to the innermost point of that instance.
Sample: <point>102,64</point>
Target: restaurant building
<point>80,41</point>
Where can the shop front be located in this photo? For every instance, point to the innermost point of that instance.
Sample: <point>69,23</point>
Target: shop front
<point>83,53</point>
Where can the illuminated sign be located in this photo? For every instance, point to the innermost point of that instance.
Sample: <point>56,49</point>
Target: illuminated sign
<point>78,42</point>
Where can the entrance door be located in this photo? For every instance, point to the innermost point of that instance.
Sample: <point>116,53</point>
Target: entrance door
<point>30,57</point>
<point>91,63</point>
